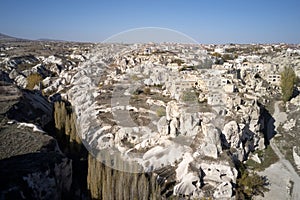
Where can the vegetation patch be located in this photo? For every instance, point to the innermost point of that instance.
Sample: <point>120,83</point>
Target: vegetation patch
<point>287,83</point>
<point>33,80</point>
<point>161,111</point>
<point>178,61</point>
<point>267,157</point>
<point>251,184</point>
<point>189,96</point>
<point>188,68</point>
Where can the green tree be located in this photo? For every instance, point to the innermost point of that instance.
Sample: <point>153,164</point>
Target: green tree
<point>287,83</point>
<point>250,184</point>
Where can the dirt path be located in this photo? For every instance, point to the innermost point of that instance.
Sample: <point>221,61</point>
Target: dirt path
<point>284,180</point>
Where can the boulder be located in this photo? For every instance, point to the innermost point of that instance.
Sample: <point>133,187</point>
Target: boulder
<point>232,134</point>
<point>211,143</point>
<point>187,185</point>
<point>189,124</point>
<point>162,126</point>
<point>256,158</point>
<point>223,191</point>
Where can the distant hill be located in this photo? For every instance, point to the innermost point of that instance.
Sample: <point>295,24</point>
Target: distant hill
<point>50,40</point>
<point>4,37</point>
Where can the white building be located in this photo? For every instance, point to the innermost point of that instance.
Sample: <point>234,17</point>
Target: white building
<point>220,50</point>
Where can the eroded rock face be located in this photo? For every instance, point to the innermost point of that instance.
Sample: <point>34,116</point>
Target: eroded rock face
<point>232,134</point>
<point>31,164</point>
<point>36,176</point>
<point>223,191</point>
<point>172,110</point>
<point>211,143</point>
<point>296,157</point>
<point>247,135</point>
<point>10,96</point>
<point>22,138</point>
<point>32,107</point>
<point>105,123</point>
<point>218,173</point>
<point>24,105</point>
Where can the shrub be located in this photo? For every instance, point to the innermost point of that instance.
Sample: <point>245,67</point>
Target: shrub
<point>134,77</point>
<point>189,96</point>
<point>227,57</point>
<point>33,80</point>
<point>217,55</point>
<point>251,184</point>
<point>188,68</point>
<point>287,83</point>
<point>161,111</point>
<point>267,156</point>
<point>178,61</point>
<point>147,90</point>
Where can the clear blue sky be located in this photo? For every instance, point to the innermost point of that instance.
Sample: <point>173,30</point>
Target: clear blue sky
<point>207,21</point>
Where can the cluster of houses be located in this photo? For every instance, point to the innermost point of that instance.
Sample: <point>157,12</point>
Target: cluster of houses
<point>178,67</point>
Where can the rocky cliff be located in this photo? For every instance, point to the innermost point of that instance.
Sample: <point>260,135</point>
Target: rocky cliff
<point>32,165</point>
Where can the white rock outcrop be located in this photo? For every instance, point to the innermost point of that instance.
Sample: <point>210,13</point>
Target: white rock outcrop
<point>296,157</point>
<point>232,134</point>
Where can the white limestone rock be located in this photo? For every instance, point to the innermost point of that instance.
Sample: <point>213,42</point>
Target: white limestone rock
<point>296,100</point>
<point>211,143</point>
<point>223,191</point>
<point>255,158</point>
<point>218,173</point>
<point>173,127</point>
<point>189,124</point>
<point>186,186</point>
<point>232,134</point>
<point>172,110</point>
<point>289,125</point>
<point>105,141</point>
<point>162,155</point>
<point>162,126</point>
<point>21,81</point>
<point>47,82</point>
<point>296,157</point>
<point>13,74</point>
<point>206,117</point>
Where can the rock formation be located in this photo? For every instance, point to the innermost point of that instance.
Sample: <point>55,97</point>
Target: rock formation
<point>31,164</point>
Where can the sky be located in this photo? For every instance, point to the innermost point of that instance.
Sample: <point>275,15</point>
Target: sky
<point>206,21</point>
